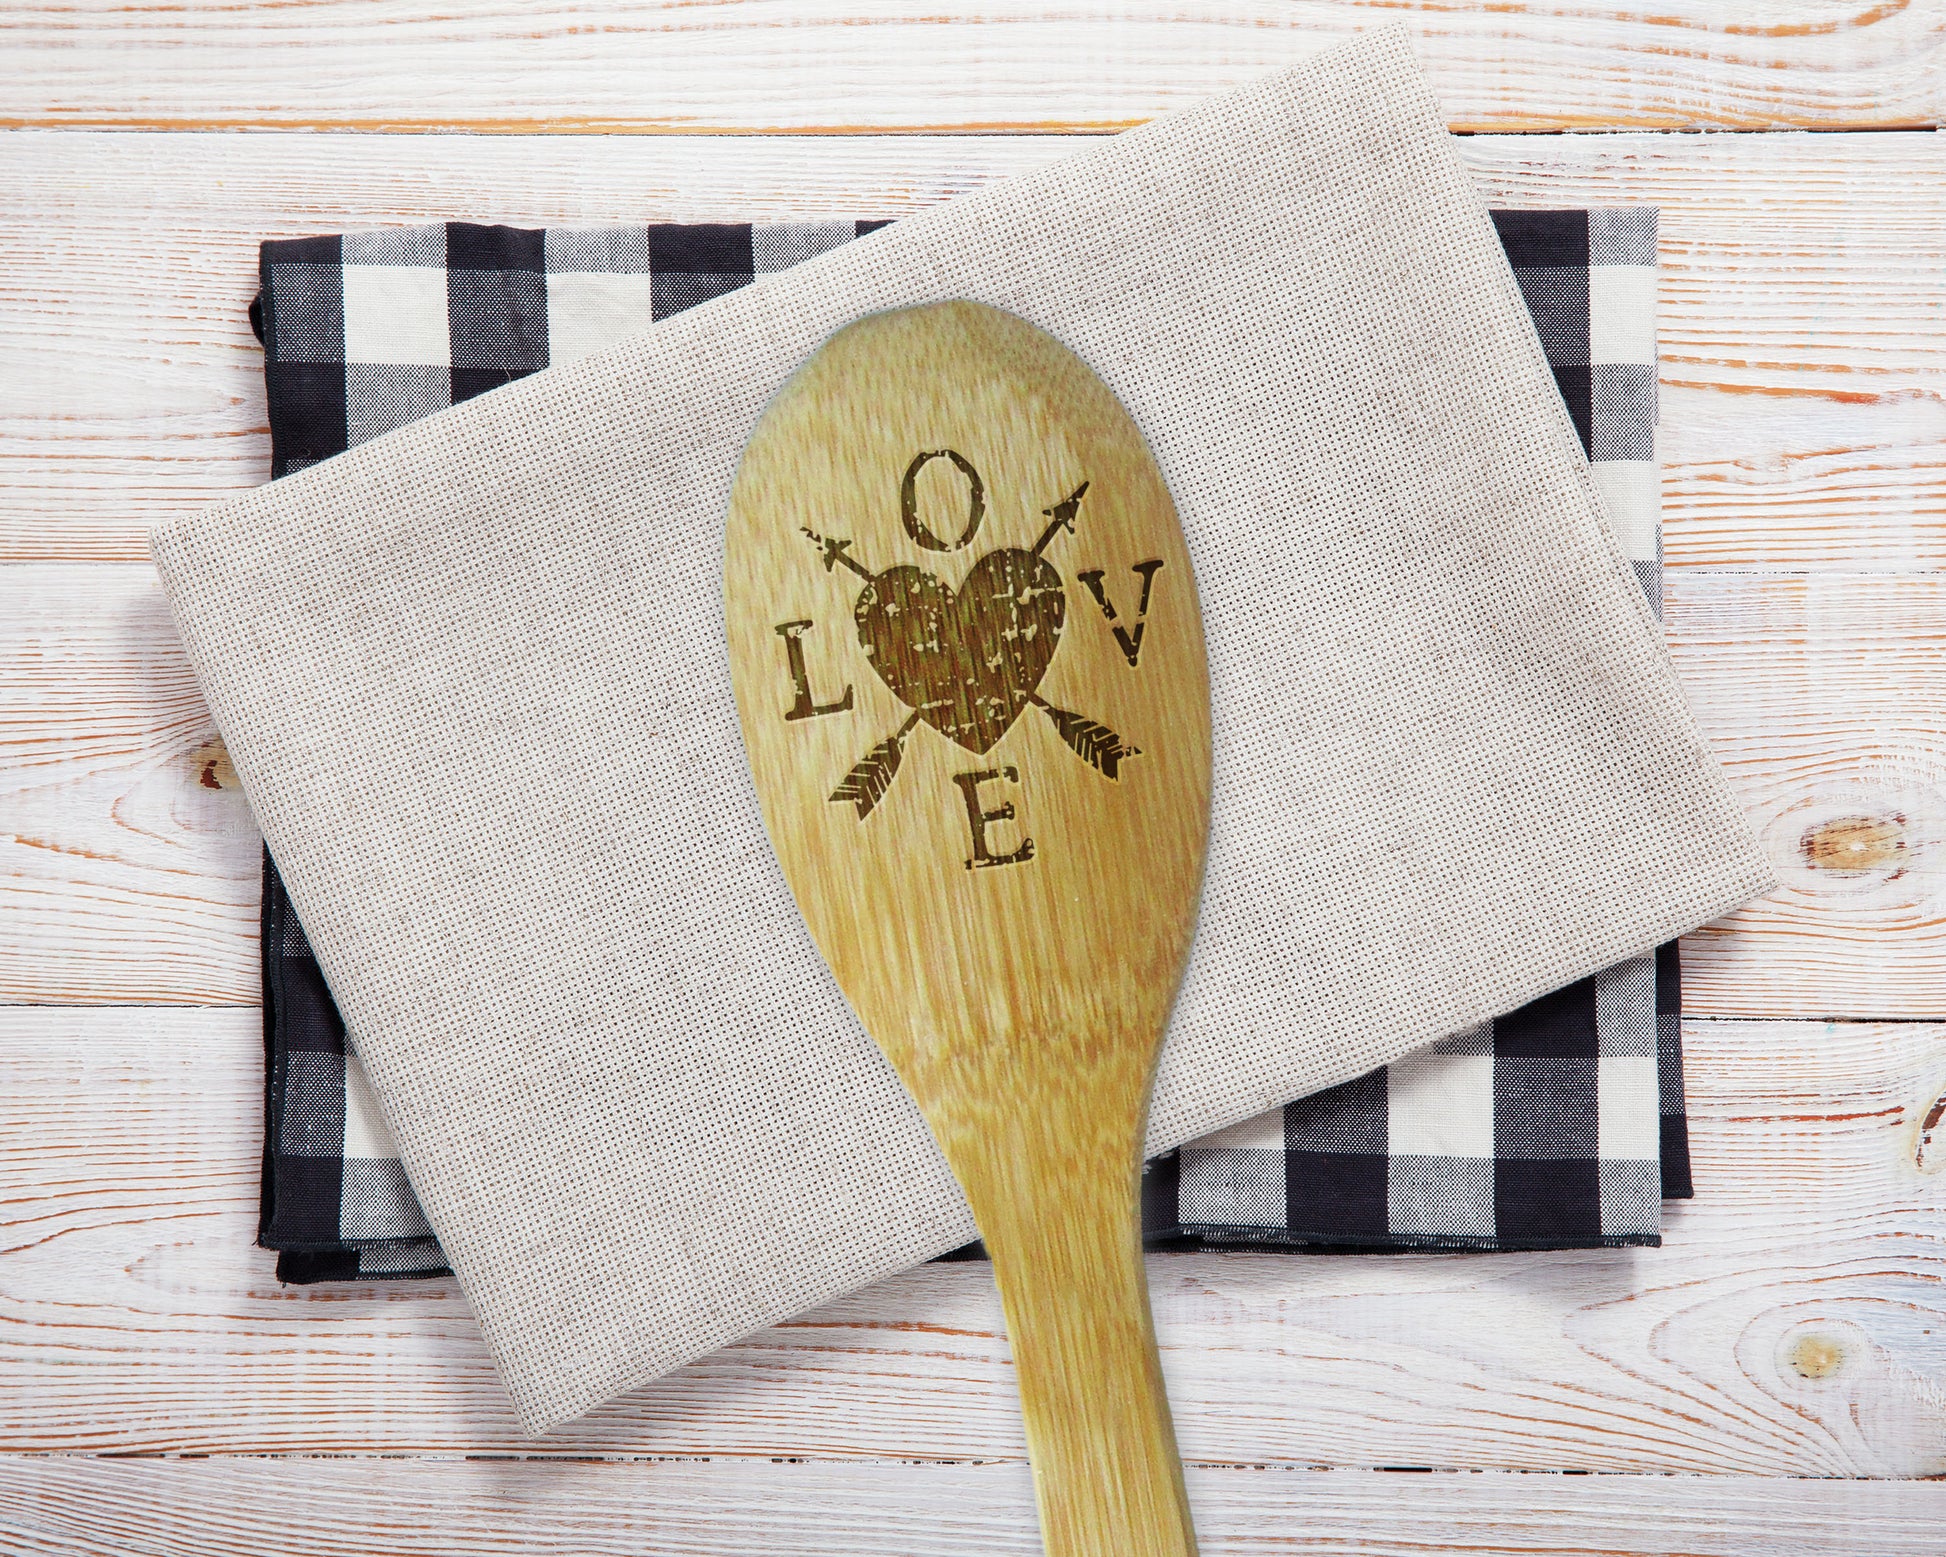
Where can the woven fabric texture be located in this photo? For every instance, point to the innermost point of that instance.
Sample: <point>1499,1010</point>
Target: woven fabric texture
<point>1530,1169</point>
<point>472,677</point>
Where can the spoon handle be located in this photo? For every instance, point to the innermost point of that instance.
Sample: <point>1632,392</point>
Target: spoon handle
<point>1062,1224</point>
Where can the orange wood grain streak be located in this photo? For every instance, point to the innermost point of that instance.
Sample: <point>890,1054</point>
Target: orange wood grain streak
<point>1725,121</point>
<point>550,124</point>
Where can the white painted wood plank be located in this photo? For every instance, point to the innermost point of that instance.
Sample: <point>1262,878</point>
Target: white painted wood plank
<point>1789,1326</point>
<point>419,1508</point>
<point>1804,316</point>
<point>846,65</point>
<point>128,860</point>
<point>1825,699</point>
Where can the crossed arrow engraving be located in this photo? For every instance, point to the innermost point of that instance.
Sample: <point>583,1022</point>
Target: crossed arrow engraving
<point>1012,606</point>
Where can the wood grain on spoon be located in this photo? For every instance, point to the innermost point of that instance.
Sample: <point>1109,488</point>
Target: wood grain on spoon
<point>969,665</point>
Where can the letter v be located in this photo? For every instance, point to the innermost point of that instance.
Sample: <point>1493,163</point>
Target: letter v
<point>1131,642</point>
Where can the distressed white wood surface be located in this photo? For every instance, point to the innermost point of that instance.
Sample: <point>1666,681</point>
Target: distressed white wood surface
<point>421,1508</point>
<point>128,861</point>
<point>1002,65</point>
<point>1803,308</point>
<point>1824,696</point>
<point>1788,1327</point>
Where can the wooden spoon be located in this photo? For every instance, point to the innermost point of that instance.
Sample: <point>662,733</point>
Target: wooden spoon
<point>969,666</point>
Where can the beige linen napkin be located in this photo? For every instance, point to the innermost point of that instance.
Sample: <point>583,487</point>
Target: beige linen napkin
<point>472,677</point>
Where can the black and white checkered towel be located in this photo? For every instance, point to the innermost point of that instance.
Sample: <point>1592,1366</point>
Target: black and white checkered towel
<point>1560,1125</point>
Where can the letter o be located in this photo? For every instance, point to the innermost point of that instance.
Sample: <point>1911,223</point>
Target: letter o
<point>976,504</point>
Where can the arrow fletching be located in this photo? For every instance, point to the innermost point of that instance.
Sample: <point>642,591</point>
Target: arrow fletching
<point>1095,744</point>
<point>865,785</point>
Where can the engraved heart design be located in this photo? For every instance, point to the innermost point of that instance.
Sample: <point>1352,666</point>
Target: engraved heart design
<point>965,661</point>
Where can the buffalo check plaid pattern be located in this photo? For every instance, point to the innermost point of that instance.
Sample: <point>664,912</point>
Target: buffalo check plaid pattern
<point>368,331</point>
<point>1559,1125</point>
<point>1539,1130</point>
